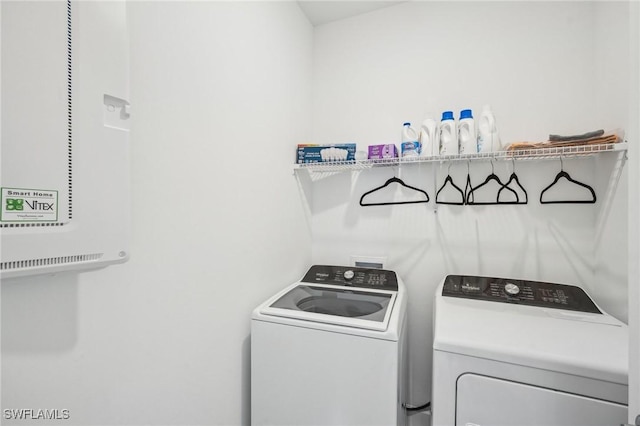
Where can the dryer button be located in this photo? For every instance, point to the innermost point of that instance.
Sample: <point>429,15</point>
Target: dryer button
<point>349,274</point>
<point>511,289</point>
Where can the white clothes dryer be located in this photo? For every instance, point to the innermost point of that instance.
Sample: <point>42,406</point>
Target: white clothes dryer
<point>330,350</point>
<point>515,352</point>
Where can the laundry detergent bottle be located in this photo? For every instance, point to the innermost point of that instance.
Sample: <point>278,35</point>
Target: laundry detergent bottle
<point>429,141</point>
<point>467,143</point>
<point>448,134</point>
<point>488,139</point>
<point>410,145</point>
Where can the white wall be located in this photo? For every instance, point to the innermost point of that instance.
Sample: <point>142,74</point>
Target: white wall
<point>220,95</point>
<point>612,97</point>
<point>634,213</point>
<point>538,65</point>
<point>398,63</point>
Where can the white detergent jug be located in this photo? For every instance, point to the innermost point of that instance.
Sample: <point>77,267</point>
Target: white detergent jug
<point>448,134</point>
<point>429,138</point>
<point>467,143</point>
<point>488,139</point>
<point>410,145</point>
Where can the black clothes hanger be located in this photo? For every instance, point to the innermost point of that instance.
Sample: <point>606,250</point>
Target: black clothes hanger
<point>449,179</point>
<point>491,177</point>
<point>468,186</point>
<point>390,181</point>
<point>513,178</point>
<point>563,174</point>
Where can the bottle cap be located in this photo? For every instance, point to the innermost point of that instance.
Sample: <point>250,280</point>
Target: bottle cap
<point>406,124</point>
<point>447,115</point>
<point>466,113</point>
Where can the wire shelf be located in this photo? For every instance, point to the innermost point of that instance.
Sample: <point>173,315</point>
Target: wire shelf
<point>519,154</point>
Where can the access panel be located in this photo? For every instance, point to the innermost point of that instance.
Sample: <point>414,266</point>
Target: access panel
<point>64,164</point>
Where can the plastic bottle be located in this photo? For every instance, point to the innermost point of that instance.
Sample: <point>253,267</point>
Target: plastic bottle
<point>488,138</point>
<point>410,145</point>
<point>448,134</point>
<point>467,143</point>
<point>429,138</point>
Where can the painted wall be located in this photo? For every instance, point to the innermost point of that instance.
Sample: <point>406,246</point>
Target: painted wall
<point>538,64</point>
<point>634,213</point>
<point>612,98</point>
<point>220,94</point>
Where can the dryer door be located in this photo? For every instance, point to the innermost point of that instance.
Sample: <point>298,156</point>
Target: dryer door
<point>485,400</point>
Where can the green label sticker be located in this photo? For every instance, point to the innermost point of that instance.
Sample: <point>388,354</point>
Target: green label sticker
<point>28,205</point>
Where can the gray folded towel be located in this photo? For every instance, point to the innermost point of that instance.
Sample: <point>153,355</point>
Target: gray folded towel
<point>593,134</point>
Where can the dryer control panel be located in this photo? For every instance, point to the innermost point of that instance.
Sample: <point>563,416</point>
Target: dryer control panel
<point>531,293</point>
<point>352,276</point>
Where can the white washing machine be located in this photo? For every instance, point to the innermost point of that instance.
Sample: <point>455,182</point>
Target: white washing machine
<point>330,349</point>
<point>514,352</point>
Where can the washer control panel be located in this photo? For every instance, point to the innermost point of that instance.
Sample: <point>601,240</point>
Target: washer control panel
<point>531,293</point>
<point>352,276</point>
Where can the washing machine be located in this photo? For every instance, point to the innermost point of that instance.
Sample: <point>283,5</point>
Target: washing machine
<point>517,352</point>
<point>330,350</point>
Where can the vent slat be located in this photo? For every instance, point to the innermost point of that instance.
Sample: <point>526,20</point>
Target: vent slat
<point>34,263</point>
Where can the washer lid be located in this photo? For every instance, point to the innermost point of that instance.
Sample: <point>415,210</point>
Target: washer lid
<point>350,307</point>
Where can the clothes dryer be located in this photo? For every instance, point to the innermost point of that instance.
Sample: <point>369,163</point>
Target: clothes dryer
<point>516,352</point>
<point>330,350</point>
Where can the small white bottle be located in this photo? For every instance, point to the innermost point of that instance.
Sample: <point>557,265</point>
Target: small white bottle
<point>410,145</point>
<point>488,138</point>
<point>467,143</point>
<point>429,141</point>
<point>448,134</point>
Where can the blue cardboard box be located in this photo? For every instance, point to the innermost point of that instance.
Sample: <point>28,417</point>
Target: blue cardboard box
<point>313,153</point>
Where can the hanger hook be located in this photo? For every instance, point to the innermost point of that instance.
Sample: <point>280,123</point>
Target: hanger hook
<point>513,164</point>
<point>561,164</point>
<point>449,168</point>
<point>492,169</point>
<point>468,167</point>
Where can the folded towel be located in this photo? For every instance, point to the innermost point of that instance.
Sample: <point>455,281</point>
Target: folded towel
<point>594,134</point>
<point>606,138</point>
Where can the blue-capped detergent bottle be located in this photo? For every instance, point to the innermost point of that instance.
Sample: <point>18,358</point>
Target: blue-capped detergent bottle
<point>448,134</point>
<point>467,143</point>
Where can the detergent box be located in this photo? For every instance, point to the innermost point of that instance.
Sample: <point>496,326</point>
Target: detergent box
<point>377,152</point>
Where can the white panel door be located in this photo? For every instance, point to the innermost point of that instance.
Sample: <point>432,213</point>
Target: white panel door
<point>485,400</point>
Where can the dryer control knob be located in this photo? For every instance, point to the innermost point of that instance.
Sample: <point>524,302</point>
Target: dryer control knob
<point>349,274</point>
<point>511,289</point>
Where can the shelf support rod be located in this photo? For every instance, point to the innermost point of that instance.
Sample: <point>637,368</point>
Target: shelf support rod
<point>610,194</point>
<point>435,186</point>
